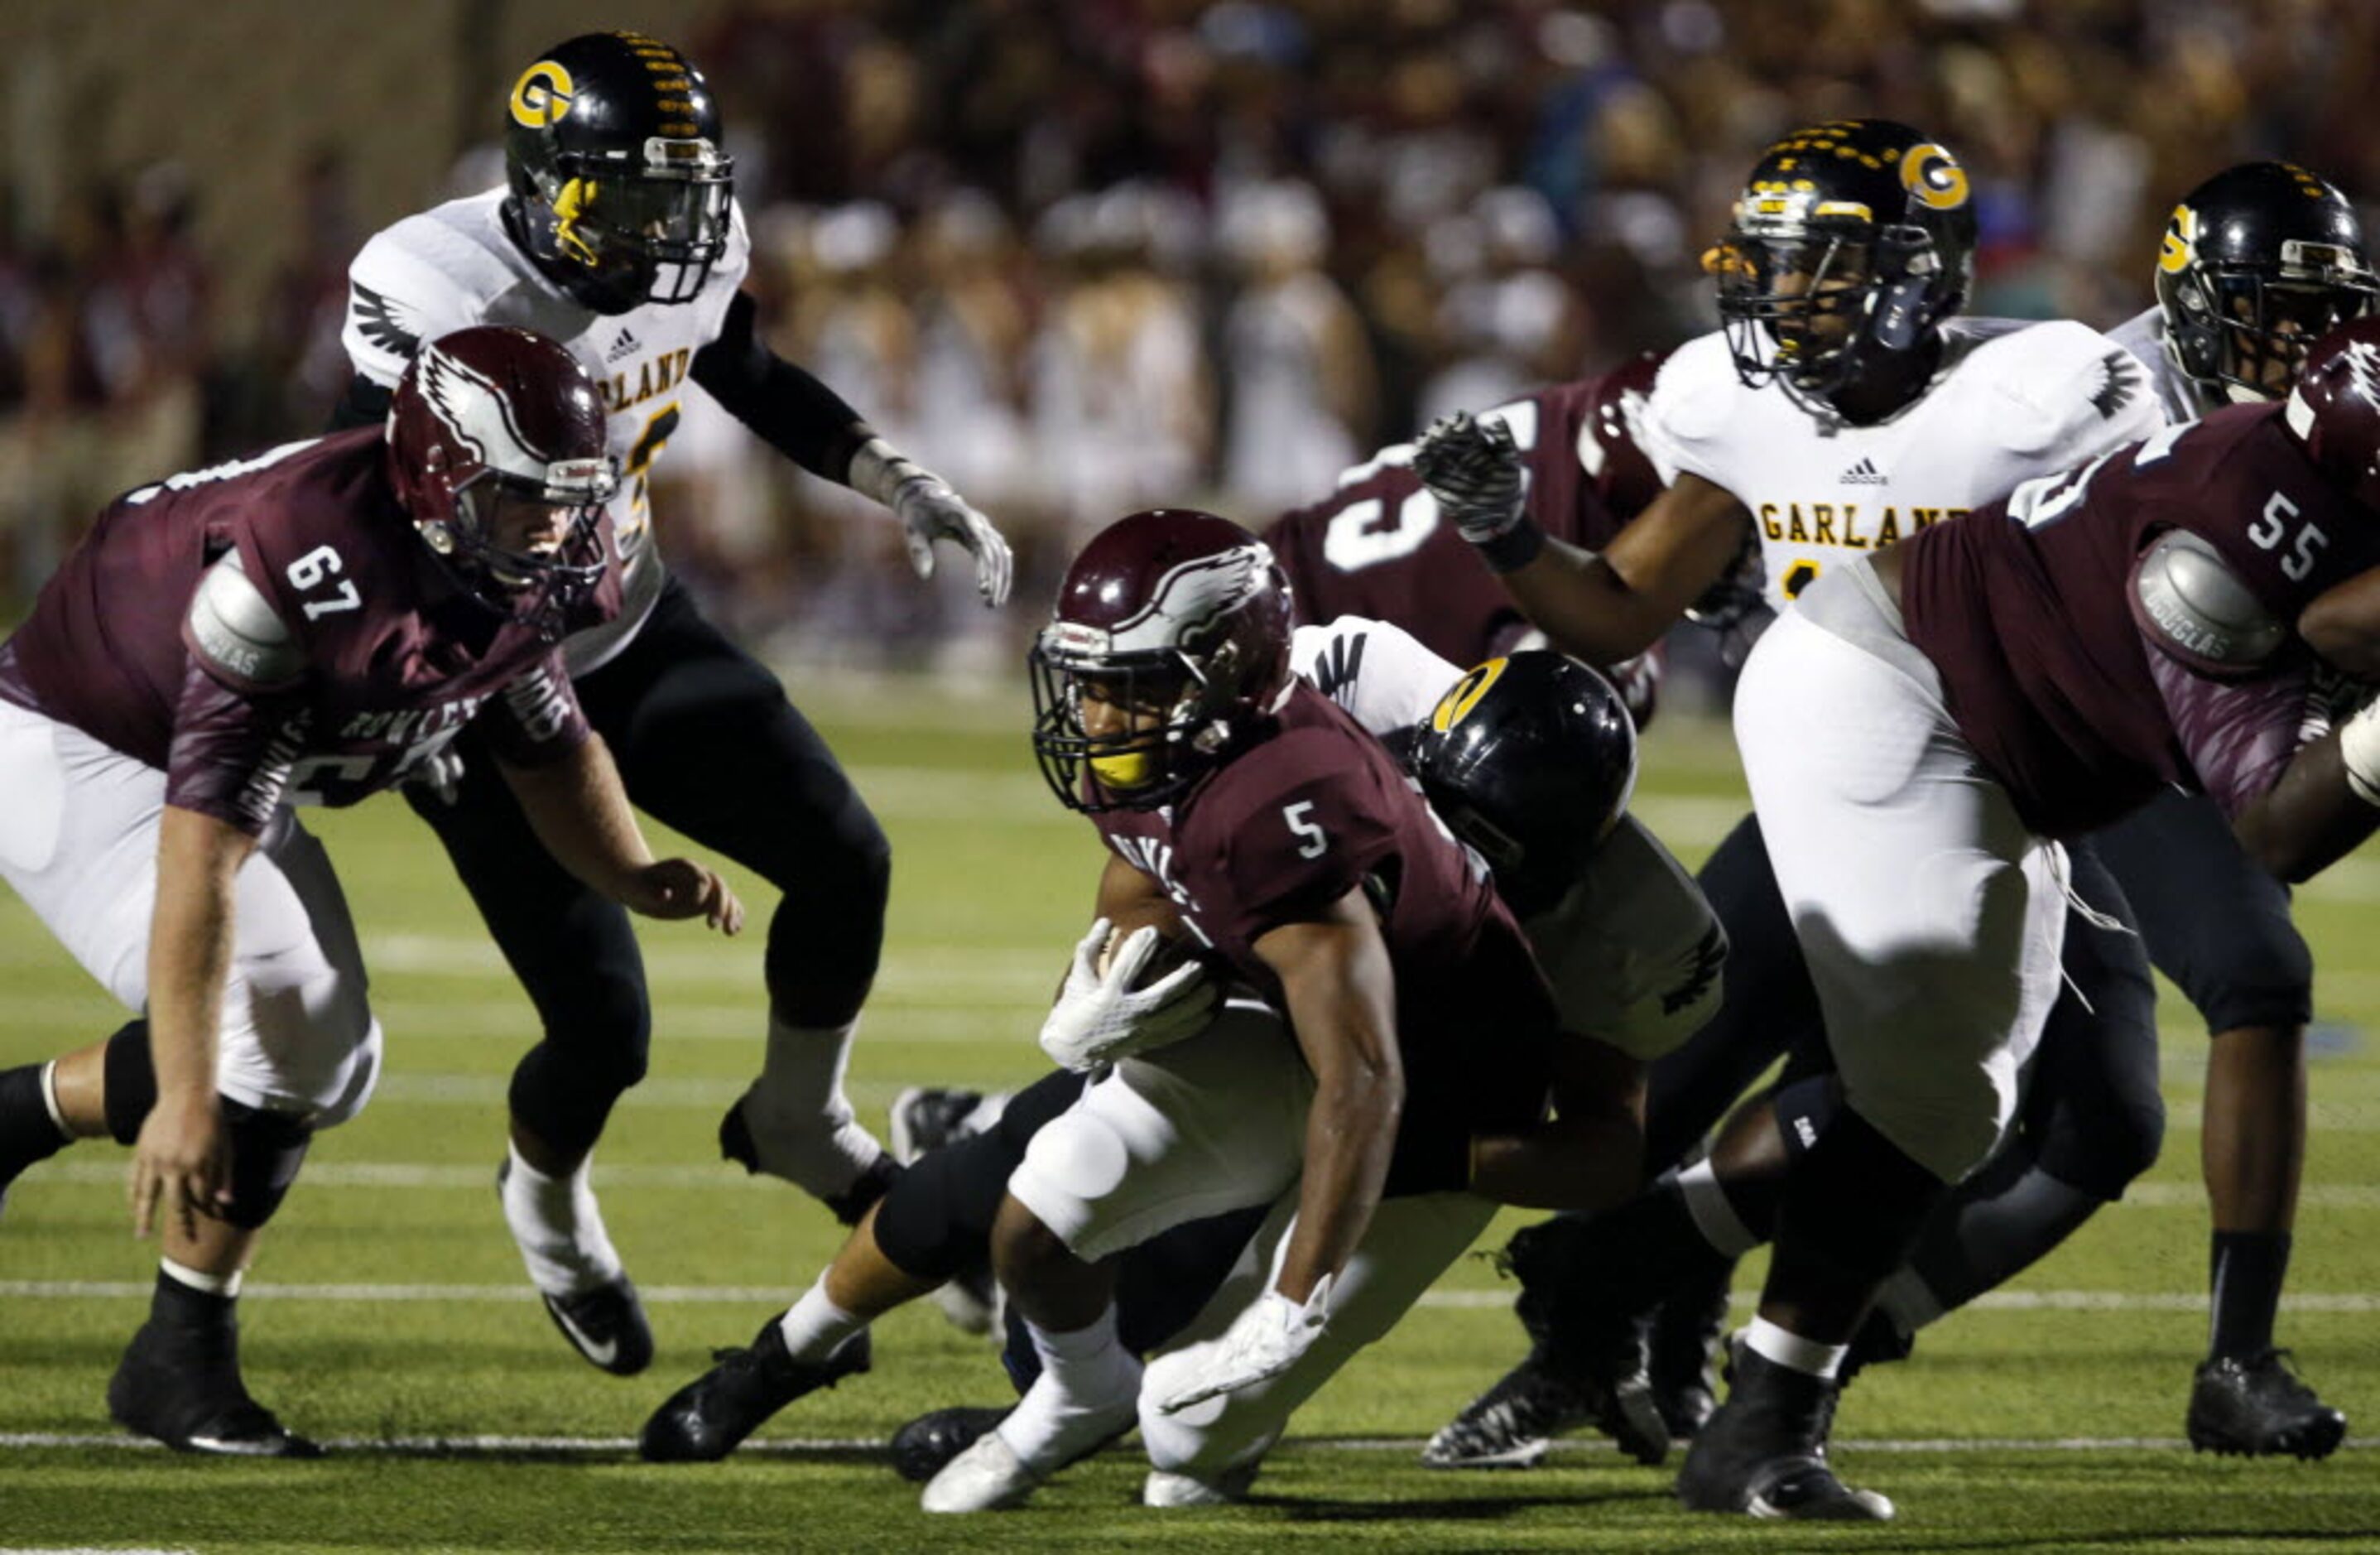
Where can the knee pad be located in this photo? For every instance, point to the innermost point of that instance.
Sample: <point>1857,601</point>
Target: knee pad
<point>1072,1166</point>
<point>129,1079</point>
<point>565,1095</point>
<point>2102,1152</point>
<point>2265,979</point>
<point>266,1150</point>
<point>936,1220</point>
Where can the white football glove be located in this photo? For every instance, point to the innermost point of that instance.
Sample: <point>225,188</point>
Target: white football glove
<point>1263,1342</point>
<point>1474,468</point>
<point>929,510</point>
<point>1100,1018</point>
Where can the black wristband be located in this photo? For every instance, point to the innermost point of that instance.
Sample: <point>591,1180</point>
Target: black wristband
<point>1515,548</point>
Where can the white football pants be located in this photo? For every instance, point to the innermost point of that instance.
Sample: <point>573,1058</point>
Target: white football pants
<point>79,841</point>
<point>1931,918</point>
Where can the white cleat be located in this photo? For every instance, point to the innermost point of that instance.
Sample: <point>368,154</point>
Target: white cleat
<point>1164,1488</point>
<point>988,1477</point>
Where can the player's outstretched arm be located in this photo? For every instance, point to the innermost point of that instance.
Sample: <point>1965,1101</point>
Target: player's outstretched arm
<point>1340,989</point>
<point>811,425</point>
<point>579,812</point>
<point>1602,606</point>
<point>181,1162</point>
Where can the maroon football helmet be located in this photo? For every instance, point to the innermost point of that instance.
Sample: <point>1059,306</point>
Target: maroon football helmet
<point>489,417</point>
<point>2335,409</point>
<point>1623,476</point>
<point>1177,624</point>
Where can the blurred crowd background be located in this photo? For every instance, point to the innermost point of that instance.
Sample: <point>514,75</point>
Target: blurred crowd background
<point>1080,256</point>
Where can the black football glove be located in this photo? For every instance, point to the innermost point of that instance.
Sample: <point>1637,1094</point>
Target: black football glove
<point>1473,470</point>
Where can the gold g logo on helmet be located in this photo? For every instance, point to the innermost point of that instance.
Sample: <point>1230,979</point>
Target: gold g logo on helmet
<point>1933,178</point>
<point>542,95</point>
<point>1458,702</point>
<point>2180,244</point>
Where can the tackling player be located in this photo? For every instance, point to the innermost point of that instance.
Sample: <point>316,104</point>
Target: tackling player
<point>309,625</point>
<point>1840,408</point>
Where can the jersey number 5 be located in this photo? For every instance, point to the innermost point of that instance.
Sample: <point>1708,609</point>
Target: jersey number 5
<point>2271,527</point>
<point>1300,824</point>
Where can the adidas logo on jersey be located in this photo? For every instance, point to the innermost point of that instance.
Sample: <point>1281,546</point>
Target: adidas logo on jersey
<point>1864,473</point>
<point>624,347</point>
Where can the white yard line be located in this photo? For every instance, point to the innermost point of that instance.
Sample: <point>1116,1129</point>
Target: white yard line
<point>505,1446</point>
<point>2351,1302</point>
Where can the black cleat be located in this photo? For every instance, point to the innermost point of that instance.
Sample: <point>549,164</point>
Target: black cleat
<point>926,1443</point>
<point>2257,1407</point>
<point>183,1389</point>
<point>1512,1424</point>
<point>1764,1453</point>
<point>1681,1361</point>
<point>709,1417</point>
<point>607,1325</point>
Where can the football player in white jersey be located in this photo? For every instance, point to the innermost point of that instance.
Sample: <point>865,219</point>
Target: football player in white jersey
<point>1841,408</point>
<point>618,234</point>
<point>1534,771</point>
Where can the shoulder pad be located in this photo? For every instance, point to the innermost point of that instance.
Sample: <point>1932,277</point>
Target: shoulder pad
<point>233,626</point>
<point>2196,609</point>
<point>2074,392</point>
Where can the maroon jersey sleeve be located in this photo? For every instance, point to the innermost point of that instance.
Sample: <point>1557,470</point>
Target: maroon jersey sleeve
<point>232,750</point>
<point>536,721</point>
<point>2238,734</point>
<point>1297,829</point>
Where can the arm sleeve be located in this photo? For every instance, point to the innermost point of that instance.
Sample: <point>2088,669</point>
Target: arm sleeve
<point>232,751</point>
<point>536,721</point>
<point>2238,736</point>
<point>1379,672</point>
<point>789,410</point>
<point>1634,953</point>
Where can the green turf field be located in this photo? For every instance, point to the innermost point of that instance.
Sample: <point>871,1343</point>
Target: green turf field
<point>388,1311</point>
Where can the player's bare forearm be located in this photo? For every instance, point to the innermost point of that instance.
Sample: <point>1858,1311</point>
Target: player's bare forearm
<point>2342,625</point>
<point>579,812</point>
<point>1590,1155</point>
<point>190,945</point>
<point>2310,819</point>
<point>1340,991</point>
<point>1613,604</point>
<point>1129,899</point>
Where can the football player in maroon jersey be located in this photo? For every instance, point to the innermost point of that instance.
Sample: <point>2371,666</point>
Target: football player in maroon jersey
<point>309,625</point>
<point>1244,808</point>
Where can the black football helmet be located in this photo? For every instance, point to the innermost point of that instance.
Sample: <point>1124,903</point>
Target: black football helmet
<point>1530,760</point>
<point>2258,263</point>
<point>489,417</point>
<point>1176,623</point>
<point>1851,241</point>
<point>620,189</point>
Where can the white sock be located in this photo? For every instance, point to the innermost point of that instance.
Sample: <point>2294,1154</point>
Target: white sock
<point>1713,1215</point>
<point>50,1097</point>
<point>225,1285</point>
<point>1088,1391</point>
<point>559,1229</point>
<point>1766,1339</point>
<point>815,1325</point>
<point>801,1120</point>
<point>1908,1302</point>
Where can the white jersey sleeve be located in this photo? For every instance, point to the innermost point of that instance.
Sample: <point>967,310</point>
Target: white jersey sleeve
<point>2064,393</point>
<point>2144,336</point>
<point>1689,409</point>
<point>416,281</point>
<point>1634,951</point>
<point>1379,674</point>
